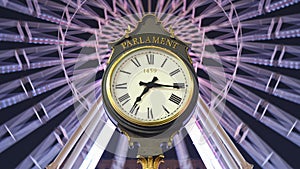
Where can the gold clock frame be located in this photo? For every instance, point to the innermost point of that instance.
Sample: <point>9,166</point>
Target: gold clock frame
<point>148,123</point>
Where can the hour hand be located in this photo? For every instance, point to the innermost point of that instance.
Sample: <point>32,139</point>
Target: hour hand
<point>149,84</point>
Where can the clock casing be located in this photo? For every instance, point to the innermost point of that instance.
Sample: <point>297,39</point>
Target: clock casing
<point>149,86</point>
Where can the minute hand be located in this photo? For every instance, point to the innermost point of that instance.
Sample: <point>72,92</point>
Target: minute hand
<point>161,85</point>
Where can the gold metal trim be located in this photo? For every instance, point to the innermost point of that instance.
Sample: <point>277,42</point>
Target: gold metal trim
<point>112,52</point>
<point>147,123</point>
<point>170,142</point>
<point>127,31</point>
<point>171,32</point>
<point>149,163</point>
<point>128,138</point>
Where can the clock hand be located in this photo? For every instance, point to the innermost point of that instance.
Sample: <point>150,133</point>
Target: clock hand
<point>160,85</point>
<point>146,89</point>
<point>138,99</point>
<point>163,85</point>
<point>154,79</point>
<point>149,84</point>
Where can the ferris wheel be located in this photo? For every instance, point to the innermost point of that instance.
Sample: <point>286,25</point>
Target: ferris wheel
<point>53,53</point>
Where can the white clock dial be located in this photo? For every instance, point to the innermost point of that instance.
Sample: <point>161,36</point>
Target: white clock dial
<point>150,86</point>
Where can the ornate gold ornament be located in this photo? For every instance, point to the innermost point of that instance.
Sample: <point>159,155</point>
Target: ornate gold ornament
<point>149,163</point>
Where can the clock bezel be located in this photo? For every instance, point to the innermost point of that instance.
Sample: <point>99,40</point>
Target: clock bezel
<point>159,122</point>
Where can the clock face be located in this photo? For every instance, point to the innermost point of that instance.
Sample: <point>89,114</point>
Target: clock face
<point>149,86</point>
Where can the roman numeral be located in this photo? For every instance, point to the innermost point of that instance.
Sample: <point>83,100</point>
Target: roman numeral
<point>150,59</point>
<point>162,65</point>
<point>125,98</point>
<point>178,85</point>
<point>174,72</point>
<point>175,99</point>
<point>135,109</point>
<point>121,86</point>
<point>150,113</point>
<point>165,109</point>
<point>135,62</point>
<point>125,72</point>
